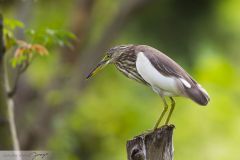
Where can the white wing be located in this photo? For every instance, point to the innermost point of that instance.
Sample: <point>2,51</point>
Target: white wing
<point>150,74</point>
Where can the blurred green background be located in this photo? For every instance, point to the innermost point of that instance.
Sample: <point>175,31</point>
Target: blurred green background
<point>57,110</point>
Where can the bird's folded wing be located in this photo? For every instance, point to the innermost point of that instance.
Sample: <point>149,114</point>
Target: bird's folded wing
<point>169,68</point>
<point>165,65</point>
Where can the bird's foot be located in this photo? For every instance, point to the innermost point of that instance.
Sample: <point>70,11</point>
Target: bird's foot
<point>154,129</point>
<point>165,125</point>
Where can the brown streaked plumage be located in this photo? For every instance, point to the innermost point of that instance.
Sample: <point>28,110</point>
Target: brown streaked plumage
<point>151,67</point>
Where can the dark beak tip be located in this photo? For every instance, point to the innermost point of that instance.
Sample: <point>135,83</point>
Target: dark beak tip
<point>94,70</point>
<point>88,76</point>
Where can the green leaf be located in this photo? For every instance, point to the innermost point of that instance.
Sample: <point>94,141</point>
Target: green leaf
<point>12,24</point>
<point>9,38</point>
<point>51,37</point>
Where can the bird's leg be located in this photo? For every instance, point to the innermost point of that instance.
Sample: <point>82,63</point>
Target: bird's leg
<point>162,114</point>
<point>171,110</point>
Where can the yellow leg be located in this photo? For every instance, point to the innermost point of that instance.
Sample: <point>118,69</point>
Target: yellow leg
<point>171,110</point>
<point>162,114</point>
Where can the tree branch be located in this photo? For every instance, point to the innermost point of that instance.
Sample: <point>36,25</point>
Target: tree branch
<point>80,25</point>
<point>5,137</point>
<point>20,70</point>
<point>10,105</point>
<point>9,100</point>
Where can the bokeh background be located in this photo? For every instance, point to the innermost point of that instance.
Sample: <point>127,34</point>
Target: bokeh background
<point>58,110</point>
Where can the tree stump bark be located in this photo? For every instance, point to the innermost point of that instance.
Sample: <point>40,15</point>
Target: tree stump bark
<point>155,145</point>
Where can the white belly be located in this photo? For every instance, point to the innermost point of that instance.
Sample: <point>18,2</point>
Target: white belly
<point>164,86</point>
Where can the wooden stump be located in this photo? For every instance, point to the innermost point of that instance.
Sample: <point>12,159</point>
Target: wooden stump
<point>155,145</point>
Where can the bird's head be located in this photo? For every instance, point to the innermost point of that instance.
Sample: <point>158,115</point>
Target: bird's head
<point>111,56</point>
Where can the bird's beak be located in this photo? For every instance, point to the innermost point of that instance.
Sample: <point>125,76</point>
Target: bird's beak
<point>103,63</point>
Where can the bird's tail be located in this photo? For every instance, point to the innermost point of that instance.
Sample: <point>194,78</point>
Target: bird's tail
<point>198,94</point>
